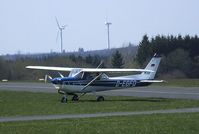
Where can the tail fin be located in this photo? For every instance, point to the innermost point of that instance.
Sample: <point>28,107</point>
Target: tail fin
<point>152,65</point>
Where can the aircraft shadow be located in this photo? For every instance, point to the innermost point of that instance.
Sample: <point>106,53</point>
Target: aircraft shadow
<point>128,100</point>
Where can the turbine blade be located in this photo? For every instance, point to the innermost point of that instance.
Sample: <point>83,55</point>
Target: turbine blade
<point>57,36</point>
<point>57,23</point>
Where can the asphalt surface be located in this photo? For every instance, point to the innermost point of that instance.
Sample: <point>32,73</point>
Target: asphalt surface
<point>75,116</point>
<point>151,91</point>
<point>159,92</point>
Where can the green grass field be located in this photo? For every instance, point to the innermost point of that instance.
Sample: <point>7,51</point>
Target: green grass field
<point>180,83</point>
<point>25,103</point>
<point>186,123</point>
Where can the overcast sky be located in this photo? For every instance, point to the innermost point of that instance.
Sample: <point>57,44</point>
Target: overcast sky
<point>29,26</point>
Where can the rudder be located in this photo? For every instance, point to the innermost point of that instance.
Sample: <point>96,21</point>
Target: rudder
<point>152,65</point>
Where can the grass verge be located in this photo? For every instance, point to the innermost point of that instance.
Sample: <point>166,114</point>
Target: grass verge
<point>186,123</point>
<point>180,83</point>
<point>25,103</point>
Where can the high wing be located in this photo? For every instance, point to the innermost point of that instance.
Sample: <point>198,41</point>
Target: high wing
<point>50,68</point>
<point>113,70</point>
<point>87,69</point>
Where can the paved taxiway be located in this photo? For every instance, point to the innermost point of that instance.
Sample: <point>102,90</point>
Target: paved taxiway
<point>151,91</point>
<point>160,92</point>
<point>74,116</point>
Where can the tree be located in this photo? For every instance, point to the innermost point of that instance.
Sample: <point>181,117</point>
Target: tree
<point>117,60</point>
<point>89,59</point>
<point>179,60</point>
<point>73,58</point>
<point>144,50</point>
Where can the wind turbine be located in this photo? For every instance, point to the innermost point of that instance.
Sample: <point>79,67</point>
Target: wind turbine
<point>61,28</point>
<point>108,25</point>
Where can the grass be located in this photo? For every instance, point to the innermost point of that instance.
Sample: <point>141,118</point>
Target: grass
<point>25,103</point>
<point>180,83</point>
<point>186,123</point>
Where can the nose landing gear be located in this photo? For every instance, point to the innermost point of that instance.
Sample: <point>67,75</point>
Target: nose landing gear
<point>64,99</point>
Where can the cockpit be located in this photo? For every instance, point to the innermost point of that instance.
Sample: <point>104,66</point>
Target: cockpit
<point>76,73</point>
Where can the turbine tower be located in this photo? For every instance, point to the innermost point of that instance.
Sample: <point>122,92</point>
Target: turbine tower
<point>61,28</point>
<point>108,25</point>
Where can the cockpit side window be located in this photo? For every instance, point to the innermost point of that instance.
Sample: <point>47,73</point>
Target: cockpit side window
<point>104,77</point>
<point>87,76</point>
<point>74,72</point>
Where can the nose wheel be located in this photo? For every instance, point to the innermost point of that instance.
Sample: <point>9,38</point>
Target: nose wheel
<point>64,99</point>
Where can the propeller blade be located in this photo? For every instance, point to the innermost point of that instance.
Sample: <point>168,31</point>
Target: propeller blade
<point>47,77</point>
<point>50,77</point>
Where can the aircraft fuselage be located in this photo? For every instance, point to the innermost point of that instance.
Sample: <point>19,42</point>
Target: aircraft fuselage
<point>72,85</point>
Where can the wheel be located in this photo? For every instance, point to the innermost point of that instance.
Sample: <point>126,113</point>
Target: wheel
<point>75,98</point>
<point>64,99</point>
<point>100,98</point>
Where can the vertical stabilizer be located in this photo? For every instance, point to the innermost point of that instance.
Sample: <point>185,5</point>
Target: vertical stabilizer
<point>152,65</point>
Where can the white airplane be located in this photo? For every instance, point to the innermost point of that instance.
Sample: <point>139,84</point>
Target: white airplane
<point>92,80</point>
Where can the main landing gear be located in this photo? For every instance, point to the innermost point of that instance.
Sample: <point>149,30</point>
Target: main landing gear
<point>100,98</point>
<point>75,98</point>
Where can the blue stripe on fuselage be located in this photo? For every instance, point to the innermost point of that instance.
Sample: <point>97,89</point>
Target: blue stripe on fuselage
<point>105,83</point>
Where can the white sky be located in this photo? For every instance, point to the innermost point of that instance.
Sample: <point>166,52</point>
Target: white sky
<point>29,26</point>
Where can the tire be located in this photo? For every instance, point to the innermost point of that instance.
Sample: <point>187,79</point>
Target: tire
<point>64,99</point>
<point>100,98</point>
<point>75,98</point>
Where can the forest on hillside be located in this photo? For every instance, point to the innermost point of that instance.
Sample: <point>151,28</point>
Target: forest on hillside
<point>180,59</point>
<point>12,67</point>
<point>180,55</point>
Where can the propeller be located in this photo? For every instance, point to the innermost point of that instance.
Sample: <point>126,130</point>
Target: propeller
<point>47,78</point>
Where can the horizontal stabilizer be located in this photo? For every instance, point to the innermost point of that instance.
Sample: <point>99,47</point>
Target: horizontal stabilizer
<point>153,81</point>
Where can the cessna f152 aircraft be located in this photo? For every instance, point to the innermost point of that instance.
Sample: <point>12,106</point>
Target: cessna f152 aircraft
<point>92,80</point>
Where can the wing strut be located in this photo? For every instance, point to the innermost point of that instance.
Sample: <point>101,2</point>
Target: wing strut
<point>91,82</point>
